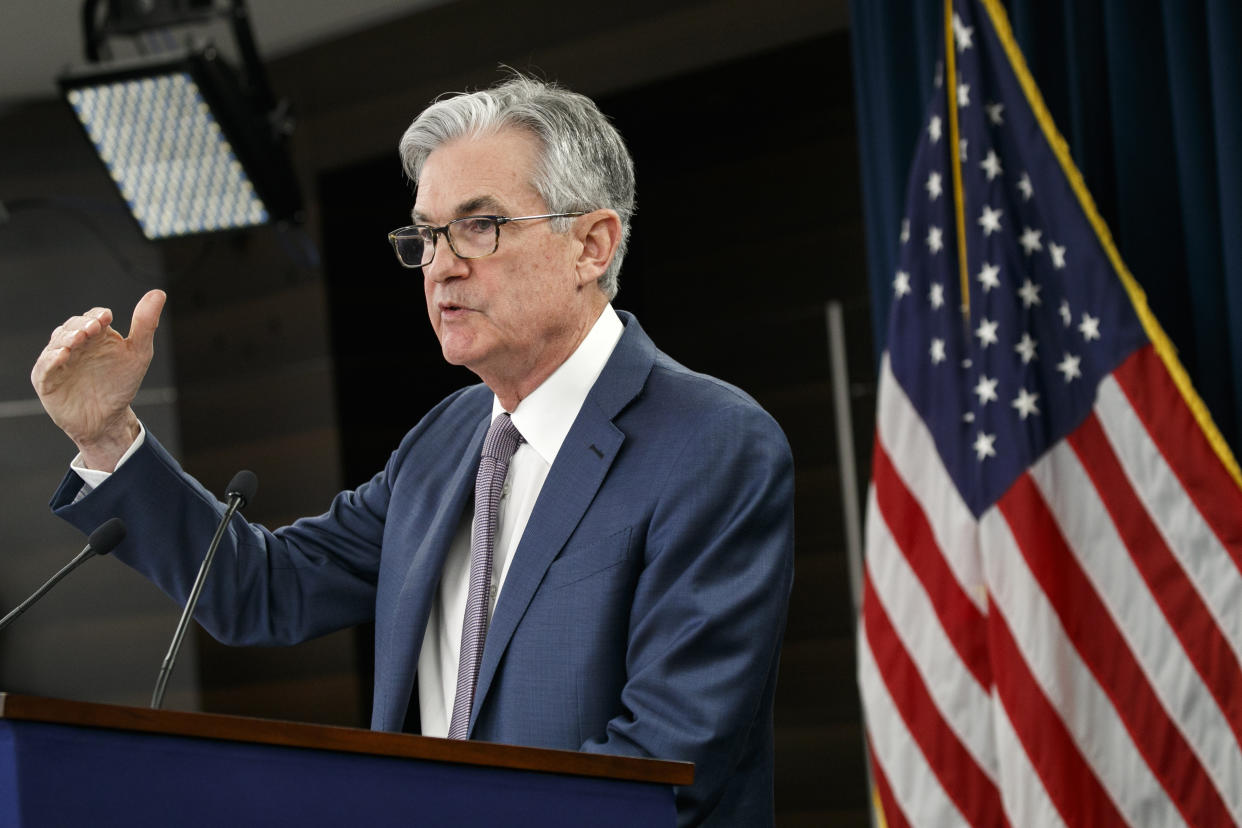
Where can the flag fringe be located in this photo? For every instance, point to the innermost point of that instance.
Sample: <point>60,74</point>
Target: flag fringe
<point>955,152</point>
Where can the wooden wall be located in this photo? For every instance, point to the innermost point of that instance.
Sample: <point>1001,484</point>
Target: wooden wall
<point>67,244</point>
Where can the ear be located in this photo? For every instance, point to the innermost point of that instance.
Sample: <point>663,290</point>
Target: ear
<point>600,234</point>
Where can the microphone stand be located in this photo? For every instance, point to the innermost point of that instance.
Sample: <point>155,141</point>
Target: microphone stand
<point>240,491</point>
<point>101,542</point>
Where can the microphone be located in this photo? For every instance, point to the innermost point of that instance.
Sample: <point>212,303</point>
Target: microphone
<point>240,491</point>
<point>102,541</point>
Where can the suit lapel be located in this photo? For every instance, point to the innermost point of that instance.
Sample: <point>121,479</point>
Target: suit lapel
<point>422,579</point>
<point>580,468</point>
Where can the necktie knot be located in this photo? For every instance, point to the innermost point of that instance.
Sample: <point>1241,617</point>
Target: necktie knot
<point>502,439</point>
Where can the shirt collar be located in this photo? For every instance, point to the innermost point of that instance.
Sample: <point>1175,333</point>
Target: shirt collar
<point>545,416</point>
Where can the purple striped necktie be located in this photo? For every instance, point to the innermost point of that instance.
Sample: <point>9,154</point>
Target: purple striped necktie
<point>498,447</point>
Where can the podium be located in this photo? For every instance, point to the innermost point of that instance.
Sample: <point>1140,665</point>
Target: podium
<point>76,763</point>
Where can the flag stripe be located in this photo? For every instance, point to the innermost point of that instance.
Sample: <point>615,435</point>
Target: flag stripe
<point>1173,428</point>
<point>957,695</point>
<point>1204,651</point>
<point>1070,782</point>
<point>916,789</point>
<point>892,815</point>
<point>971,790</point>
<point>908,525</point>
<point>912,451</point>
<point>1069,687</point>
<point>1024,798</point>
<point>1150,462</point>
<point>1094,633</point>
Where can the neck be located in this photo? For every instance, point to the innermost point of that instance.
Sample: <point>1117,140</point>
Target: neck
<point>511,390</point>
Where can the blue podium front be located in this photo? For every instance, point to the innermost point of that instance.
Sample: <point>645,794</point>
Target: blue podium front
<point>71,763</point>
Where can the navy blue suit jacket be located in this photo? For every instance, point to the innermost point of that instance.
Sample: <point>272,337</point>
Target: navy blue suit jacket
<point>643,611</point>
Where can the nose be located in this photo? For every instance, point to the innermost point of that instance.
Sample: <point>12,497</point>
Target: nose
<point>446,264</point>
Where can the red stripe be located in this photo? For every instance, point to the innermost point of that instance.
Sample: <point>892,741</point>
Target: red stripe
<point>1188,616</point>
<point>1172,427</point>
<point>1069,780</point>
<point>893,815</point>
<point>908,525</point>
<point>960,776</point>
<point>1095,636</point>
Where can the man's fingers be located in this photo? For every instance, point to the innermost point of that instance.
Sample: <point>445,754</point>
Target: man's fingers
<point>92,322</point>
<point>48,363</point>
<point>146,318</point>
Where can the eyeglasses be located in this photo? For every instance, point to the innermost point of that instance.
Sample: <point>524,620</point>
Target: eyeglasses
<point>471,237</point>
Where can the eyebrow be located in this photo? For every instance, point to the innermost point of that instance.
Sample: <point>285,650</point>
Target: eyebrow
<point>484,203</point>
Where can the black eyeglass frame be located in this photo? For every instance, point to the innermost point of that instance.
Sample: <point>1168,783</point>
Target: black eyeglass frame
<point>443,230</point>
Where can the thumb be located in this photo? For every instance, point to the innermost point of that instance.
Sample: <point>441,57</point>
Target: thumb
<point>146,318</point>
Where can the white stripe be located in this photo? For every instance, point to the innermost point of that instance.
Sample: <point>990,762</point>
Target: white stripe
<point>962,702</point>
<point>15,409</point>
<point>1025,801</point>
<point>911,779</point>
<point>1207,563</point>
<point>1067,683</point>
<point>912,451</point>
<point>1106,561</point>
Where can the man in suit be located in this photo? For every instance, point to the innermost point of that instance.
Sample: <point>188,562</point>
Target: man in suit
<point>620,588</point>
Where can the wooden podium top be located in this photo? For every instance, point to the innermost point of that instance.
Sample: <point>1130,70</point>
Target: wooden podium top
<point>346,739</point>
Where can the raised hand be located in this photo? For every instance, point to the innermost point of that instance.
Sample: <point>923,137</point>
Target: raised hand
<point>88,374</point>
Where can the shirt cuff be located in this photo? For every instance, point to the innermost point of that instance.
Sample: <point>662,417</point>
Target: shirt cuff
<point>94,478</point>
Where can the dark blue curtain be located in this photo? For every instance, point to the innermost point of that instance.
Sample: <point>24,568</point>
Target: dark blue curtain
<point>1148,94</point>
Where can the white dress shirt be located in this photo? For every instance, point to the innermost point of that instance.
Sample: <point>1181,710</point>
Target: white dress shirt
<point>543,419</point>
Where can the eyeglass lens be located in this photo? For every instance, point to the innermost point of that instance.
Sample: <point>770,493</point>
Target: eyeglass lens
<point>470,238</point>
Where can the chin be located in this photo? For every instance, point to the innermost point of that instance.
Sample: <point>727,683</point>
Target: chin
<point>457,352</point>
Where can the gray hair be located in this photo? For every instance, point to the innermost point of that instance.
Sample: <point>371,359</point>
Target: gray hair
<point>584,164</point>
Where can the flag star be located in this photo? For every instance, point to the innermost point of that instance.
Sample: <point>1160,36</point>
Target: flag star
<point>1066,316</point>
<point>1025,403</point>
<point>963,94</point>
<point>994,113</point>
<point>962,34</point>
<point>1069,367</point>
<point>933,129</point>
<point>1030,293</point>
<point>987,332</point>
<point>989,276</point>
<point>933,186</point>
<point>1090,327</point>
<point>1026,347</point>
<point>986,389</point>
<point>939,74</point>
<point>1057,252</point>
<point>905,230</point>
<point>968,417</point>
<point>934,242</point>
<point>901,284</point>
<point>937,351</point>
<point>1024,187</point>
<point>985,446</point>
<point>961,146</point>
<point>1030,240</point>
<point>991,165</point>
<point>936,295</point>
<point>989,220</point>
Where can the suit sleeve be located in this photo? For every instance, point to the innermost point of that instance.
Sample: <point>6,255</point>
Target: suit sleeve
<point>709,612</point>
<point>266,588</point>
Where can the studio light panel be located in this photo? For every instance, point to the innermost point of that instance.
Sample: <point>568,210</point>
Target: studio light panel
<point>168,155</point>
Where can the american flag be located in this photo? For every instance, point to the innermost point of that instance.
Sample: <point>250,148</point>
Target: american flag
<point>1052,612</point>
